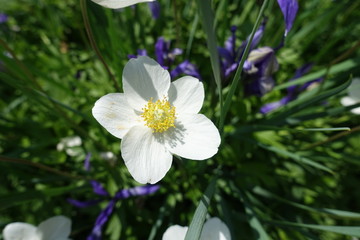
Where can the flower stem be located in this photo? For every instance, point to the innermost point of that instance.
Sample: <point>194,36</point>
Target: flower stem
<point>93,43</point>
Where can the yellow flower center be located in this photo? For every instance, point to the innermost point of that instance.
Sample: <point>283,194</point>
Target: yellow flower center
<point>159,115</point>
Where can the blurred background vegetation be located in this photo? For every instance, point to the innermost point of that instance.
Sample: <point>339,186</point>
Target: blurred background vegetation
<point>276,180</point>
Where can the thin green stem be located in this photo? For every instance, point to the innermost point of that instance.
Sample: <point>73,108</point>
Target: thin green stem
<point>40,166</point>
<point>207,19</point>
<point>237,76</point>
<point>94,45</point>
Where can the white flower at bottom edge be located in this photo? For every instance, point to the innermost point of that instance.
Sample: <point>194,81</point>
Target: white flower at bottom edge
<point>55,228</point>
<point>119,3</point>
<point>353,96</point>
<point>156,118</point>
<point>213,229</point>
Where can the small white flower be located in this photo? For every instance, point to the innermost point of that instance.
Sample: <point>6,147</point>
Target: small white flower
<point>213,229</point>
<point>69,144</point>
<point>119,3</point>
<point>353,96</point>
<point>156,118</point>
<point>55,228</point>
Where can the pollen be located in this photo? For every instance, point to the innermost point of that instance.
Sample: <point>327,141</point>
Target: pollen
<point>159,115</point>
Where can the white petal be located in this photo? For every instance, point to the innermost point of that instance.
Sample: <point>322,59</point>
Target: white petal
<point>347,101</point>
<point>356,110</point>
<point>175,232</point>
<point>20,231</point>
<point>194,137</point>
<point>145,155</point>
<point>143,78</point>
<point>114,113</point>
<point>187,95</point>
<point>215,229</point>
<point>55,228</point>
<point>119,3</point>
<point>354,89</point>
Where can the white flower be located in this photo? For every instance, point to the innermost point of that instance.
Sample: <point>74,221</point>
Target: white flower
<point>213,229</point>
<point>353,95</point>
<point>119,3</point>
<point>55,228</point>
<point>156,118</point>
<point>70,144</point>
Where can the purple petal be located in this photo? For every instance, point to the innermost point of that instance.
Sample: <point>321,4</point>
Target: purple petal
<point>289,9</point>
<point>185,68</point>
<point>160,50</point>
<point>3,17</point>
<point>257,36</point>
<point>230,42</point>
<point>299,73</point>
<point>87,162</point>
<point>136,191</point>
<point>98,188</point>
<point>274,105</point>
<point>142,52</point>
<point>81,204</point>
<point>101,220</point>
<point>173,53</point>
<point>155,9</point>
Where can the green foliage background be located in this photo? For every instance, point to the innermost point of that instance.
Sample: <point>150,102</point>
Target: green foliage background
<point>273,177</point>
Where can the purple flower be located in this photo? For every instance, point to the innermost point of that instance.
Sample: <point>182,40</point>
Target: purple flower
<point>230,55</point>
<point>3,18</point>
<point>289,9</point>
<point>165,56</point>
<point>99,190</point>
<point>258,68</point>
<point>155,9</point>
<point>292,91</point>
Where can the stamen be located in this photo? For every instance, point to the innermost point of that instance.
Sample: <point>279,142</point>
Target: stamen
<point>159,115</point>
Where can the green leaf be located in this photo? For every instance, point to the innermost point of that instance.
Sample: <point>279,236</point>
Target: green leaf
<point>344,230</point>
<point>340,67</point>
<point>22,197</point>
<point>297,158</point>
<point>301,103</point>
<point>327,211</point>
<point>207,19</point>
<point>199,216</point>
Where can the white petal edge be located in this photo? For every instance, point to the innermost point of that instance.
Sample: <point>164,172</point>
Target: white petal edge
<point>20,231</point>
<point>175,232</point>
<point>145,155</point>
<point>348,101</point>
<point>215,229</point>
<point>114,113</point>
<point>119,3</point>
<point>354,89</point>
<point>55,228</point>
<point>193,137</point>
<point>143,79</point>
<point>187,95</point>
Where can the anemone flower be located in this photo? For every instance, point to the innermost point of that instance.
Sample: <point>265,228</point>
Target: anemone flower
<point>119,3</point>
<point>353,96</point>
<point>54,228</point>
<point>156,118</point>
<point>213,229</point>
